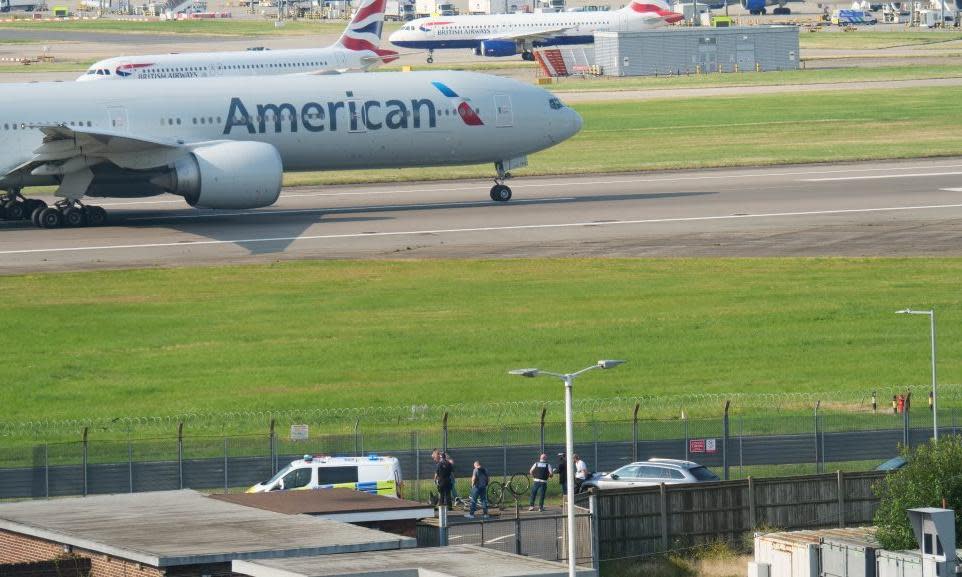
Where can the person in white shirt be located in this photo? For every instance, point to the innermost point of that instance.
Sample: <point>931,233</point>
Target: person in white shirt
<point>581,472</point>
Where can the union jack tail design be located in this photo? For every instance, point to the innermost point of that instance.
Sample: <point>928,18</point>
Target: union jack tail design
<point>363,32</point>
<point>658,8</point>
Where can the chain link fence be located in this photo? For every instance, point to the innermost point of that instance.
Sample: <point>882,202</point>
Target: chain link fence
<point>732,445</point>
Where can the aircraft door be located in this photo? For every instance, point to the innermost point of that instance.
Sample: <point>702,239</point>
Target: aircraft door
<point>117,118</point>
<point>502,106</point>
<point>341,58</point>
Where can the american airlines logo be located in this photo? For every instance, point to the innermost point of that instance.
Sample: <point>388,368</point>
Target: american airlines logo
<point>356,115</point>
<point>359,115</point>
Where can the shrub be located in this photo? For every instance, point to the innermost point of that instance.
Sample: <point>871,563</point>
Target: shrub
<point>933,472</point>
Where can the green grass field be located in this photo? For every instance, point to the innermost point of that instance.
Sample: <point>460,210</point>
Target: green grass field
<point>730,131</point>
<point>815,76</point>
<point>863,39</point>
<point>225,27</point>
<point>349,334</point>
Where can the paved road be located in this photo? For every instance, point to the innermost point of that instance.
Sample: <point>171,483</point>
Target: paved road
<point>889,208</point>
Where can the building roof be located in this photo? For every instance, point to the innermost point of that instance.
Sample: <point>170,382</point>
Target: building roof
<point>339,504</point>
<point>171,528</point>
<point>454,561</point>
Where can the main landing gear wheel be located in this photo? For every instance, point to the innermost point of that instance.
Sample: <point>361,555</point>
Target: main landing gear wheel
<point>14,210</point>
<point>96,216</point>
<point>528,56</point>
<point>73,217</point>
<point>501,193</point>
<point>50,217</point>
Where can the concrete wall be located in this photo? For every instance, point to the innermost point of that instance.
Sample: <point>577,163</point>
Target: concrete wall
<point>690,50</point>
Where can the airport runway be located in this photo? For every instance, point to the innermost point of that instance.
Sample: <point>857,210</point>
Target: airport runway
<point>868,209</point>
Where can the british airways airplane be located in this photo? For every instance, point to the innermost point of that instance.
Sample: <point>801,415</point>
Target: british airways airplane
<point>228,144</point>
<point>510,34</point>
<point>356,49</point>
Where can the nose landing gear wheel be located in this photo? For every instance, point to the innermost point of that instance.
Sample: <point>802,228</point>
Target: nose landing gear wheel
<point>501,193</point>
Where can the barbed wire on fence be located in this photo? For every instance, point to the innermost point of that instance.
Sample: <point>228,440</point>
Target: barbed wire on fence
<point>660,406</point>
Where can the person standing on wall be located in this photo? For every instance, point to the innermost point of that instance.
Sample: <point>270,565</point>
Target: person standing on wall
<point>581,472</point>
<point>562,472</point>
<point>479,491</point>
<point>540,473</point>
<point>444,477</point>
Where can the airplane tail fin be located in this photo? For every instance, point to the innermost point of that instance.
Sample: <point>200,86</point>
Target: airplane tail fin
<point>363,32</point>
<point>657,9</point>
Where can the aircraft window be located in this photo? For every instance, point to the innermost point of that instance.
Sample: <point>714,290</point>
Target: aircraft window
<point>100,72</point>
<point>555,104</point>
<point>178,122</point>
<point>202,120</point>
<point>6,127</point>
<point>89,123</point>
<point>218,120</point>
<point>195,120</point>
<point>107,72</point>
<point>170,122</point>
<point>210,120</point>
<point>89,72</point>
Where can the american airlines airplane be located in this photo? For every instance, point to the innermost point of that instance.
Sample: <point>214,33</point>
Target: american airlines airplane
<point>510,34</point>
<point>356,49</point>
<point>228,144</point>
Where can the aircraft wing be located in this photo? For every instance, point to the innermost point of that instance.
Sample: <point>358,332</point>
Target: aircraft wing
<point>67,151</point>
<point>537,35</point>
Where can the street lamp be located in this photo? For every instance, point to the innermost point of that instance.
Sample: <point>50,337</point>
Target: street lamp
<point>935,407</point>
<point>568,379</point>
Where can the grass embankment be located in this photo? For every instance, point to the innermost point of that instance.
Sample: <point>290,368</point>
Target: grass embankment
<point>729,131</point>
<point>222,27</point>
<point>816,76</point>
<point>867,40</point>
<point>347,334</point>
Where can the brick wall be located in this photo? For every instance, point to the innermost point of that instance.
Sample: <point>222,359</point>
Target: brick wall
<point>69,566</point>
<point>17,548</point>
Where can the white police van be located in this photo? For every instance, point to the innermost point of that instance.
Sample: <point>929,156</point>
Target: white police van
<point>372,474</point>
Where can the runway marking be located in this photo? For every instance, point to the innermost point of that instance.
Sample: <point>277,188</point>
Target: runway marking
<point>340,210</point>
<point>181,244</point>
<point>572,182</point>
<point>877,176</point>
<point>727,125</point>
<point>951,189</point>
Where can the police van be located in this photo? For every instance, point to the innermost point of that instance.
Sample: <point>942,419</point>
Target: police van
<point>373,474</point>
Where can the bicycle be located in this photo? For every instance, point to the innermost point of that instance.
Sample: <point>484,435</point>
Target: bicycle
<point>518,485</point>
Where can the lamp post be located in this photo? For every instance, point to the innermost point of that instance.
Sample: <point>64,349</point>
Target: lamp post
<point>935,407</point>
<point>568,379</point>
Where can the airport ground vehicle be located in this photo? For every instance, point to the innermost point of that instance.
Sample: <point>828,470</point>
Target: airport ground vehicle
<point>19,5</point>
<point>399,10</point>
<point>844,17</point>
<point>373,474</point>
<point>650,472</point>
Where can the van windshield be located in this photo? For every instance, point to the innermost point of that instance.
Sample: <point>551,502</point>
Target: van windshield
<point>279,474</point>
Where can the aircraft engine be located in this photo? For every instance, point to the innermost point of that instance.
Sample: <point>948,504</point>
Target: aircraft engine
<point>227,175</point>
<point>754,6</point>
<point>499,48</point>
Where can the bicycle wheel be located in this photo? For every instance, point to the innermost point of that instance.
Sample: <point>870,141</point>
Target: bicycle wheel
<point>495,494</point>
<point>519,484</point>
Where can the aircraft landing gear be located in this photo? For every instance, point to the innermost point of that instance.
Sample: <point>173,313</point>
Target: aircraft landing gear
<point>782,11</point>
<point>68,213</point>
<point>431,56</point>
<point>527,55</point>
<point>15,207</point>
<point>501,192</point>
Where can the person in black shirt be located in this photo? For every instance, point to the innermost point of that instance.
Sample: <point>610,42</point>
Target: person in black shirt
<point>479,490</point>
<point>444,477</point>
<point>540,473</point>
<point>562,472</point>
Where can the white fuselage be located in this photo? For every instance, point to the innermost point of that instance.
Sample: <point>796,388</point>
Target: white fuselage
<point>316,122</point>
<point>218,64</point>
<point>470,31</point>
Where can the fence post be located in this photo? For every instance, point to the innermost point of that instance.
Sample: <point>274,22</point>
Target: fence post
<point>416,437</point>
<point>504,451</point>
<point>544,411</point>
<point>687,436</point>
<point>751,503</point>
<point>634,433</point>
<point>180,455</point>
<point>517,528</point>
<point>664,517</point>
<point>841,499</point>
<point>84,457</point>
<point>594,436</point>
<point>905,425</point>
<point>444,433</point>
<point>272,442</point>
<point>46,471</point>
<point>818,468</point>
<point>226,488</point>
<point>357,449</point>
<point>130,464</point>
<point>725,440</point>
<point>595,545</point>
